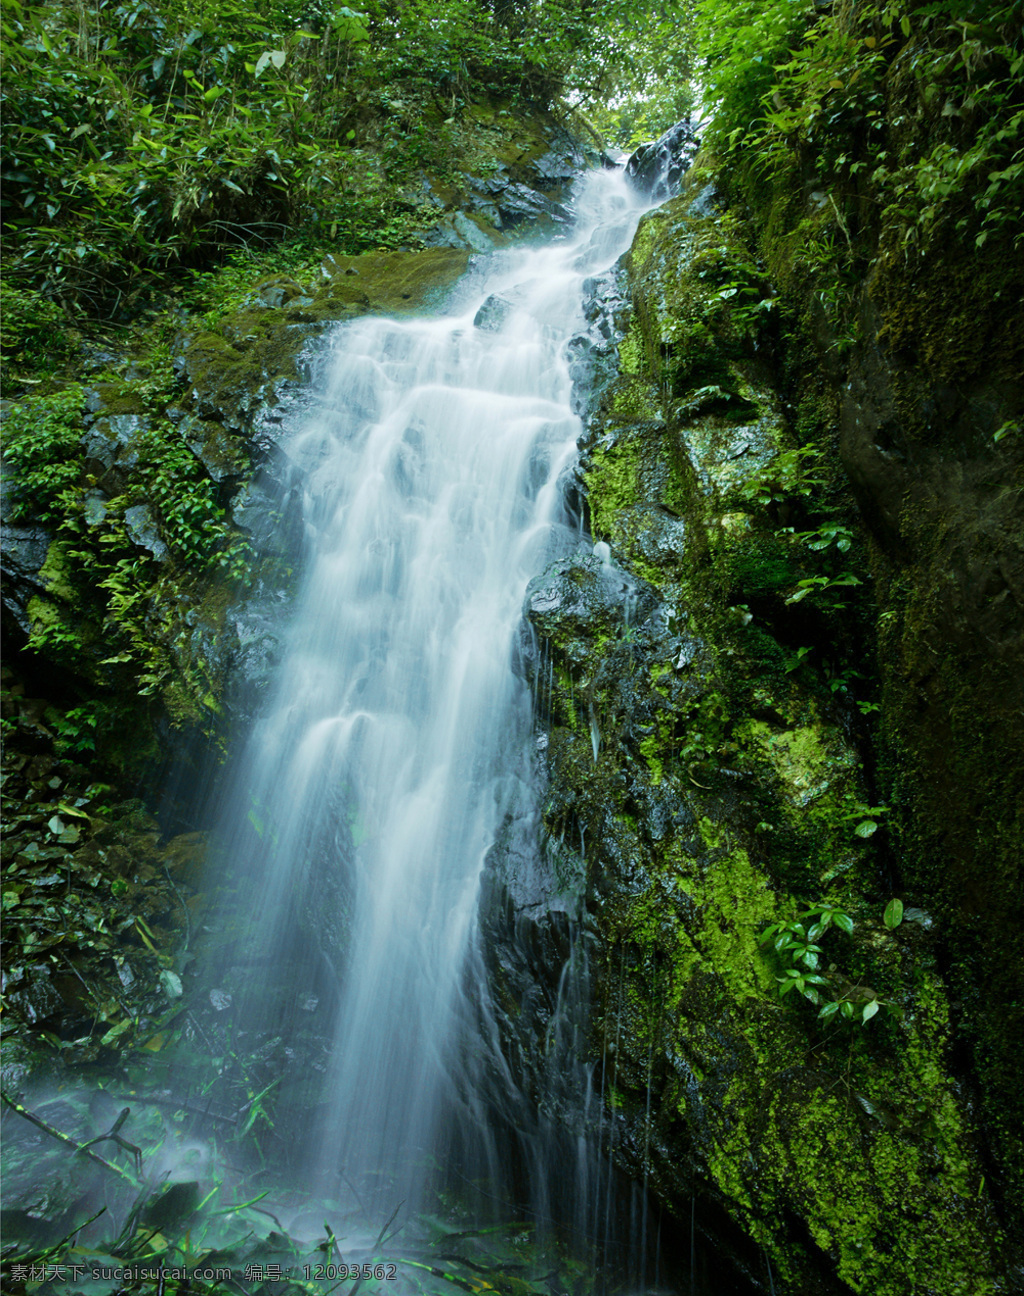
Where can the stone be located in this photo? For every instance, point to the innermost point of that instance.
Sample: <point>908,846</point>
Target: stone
<point>23,552</point>
<point>220,453</point>
<point>143,529</point>
<point>656,169</point>
<point>492,314</point>
<point>114,439</point>
<point>518,202</point>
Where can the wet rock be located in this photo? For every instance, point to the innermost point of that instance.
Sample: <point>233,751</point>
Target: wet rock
<point>422,194</point>
<point>95,507</point>
<point>458,231</point>
<point>492,314</point>
<point>707,202</point>
<point>268,510</point>
<point>659,536</point>
<point>517,202</point>
<point>256,626</point>
<point>23,1065</point>
<point>221,454</point>
<point>37,999</point>
<point>593,355</point>
<point>173,1207</point>
<point>22,555</point>
<point>581,597</point>
<point>280,290</point>
<point>657,168</point>
<point>398,282</point>
<point>143,529</point>
<point>115,439</point>
<point>556,166</point>
<point>709,784</point>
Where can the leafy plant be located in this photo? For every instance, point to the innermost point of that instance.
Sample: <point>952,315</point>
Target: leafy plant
<point>824,536</point>
<point>76,729</point>
<point>790,81</point>
<point>796,472</point>
<point>823,585</point>
<point>796,944</point>
<point>34,335</point>
<point>43,445</point>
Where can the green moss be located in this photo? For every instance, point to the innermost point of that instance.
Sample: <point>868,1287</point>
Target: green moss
<point>396,283</point>
<point>858,1131</point>
<point>612,485</point>
<point>57,572</point>
<point>631,350</point>
<point>955,308</point>
<point>738,903</point>
<point>633,402</point>
<point>650,748</point>
<point>808,760</point>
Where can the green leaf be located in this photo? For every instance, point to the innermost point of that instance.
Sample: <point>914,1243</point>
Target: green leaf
<point>268,57</point>
<point>829,1010</point>
<point>71,810</point>
<point>844,922</point>
<point>869,1011</point>
<point>867,828</point>
<point>893,914</point>
<point>350,26</point>
<point>116,1032</point>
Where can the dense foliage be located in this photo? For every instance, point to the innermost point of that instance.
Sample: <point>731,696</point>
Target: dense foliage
<point>797,84</point>
<point>147,135</point>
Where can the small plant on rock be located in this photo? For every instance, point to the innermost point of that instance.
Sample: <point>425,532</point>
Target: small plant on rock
<point>796,944</point>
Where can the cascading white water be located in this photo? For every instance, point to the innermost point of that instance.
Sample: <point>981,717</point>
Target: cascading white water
<point>394,743</point>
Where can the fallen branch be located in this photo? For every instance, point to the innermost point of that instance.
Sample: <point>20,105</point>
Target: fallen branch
<point>175,1105</point>
<point>114,1136</point>
<point>66,1139</point>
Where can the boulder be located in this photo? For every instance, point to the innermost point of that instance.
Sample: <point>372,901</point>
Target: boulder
<point>492,314</point>
<point>656,169</point>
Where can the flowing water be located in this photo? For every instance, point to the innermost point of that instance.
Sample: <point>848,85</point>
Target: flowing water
<point>397,740</point>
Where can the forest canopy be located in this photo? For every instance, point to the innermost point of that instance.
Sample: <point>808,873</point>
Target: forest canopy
<point>144,135</point>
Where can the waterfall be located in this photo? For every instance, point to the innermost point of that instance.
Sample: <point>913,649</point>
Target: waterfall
<point>396,740</point>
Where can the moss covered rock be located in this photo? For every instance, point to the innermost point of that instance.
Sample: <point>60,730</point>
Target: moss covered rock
<point>707,752</point>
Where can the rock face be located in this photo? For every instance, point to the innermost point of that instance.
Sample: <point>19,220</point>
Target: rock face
<point>656,169</point>
<point>522,190</point>
<point>930,386</point>
<point>712,777</point>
